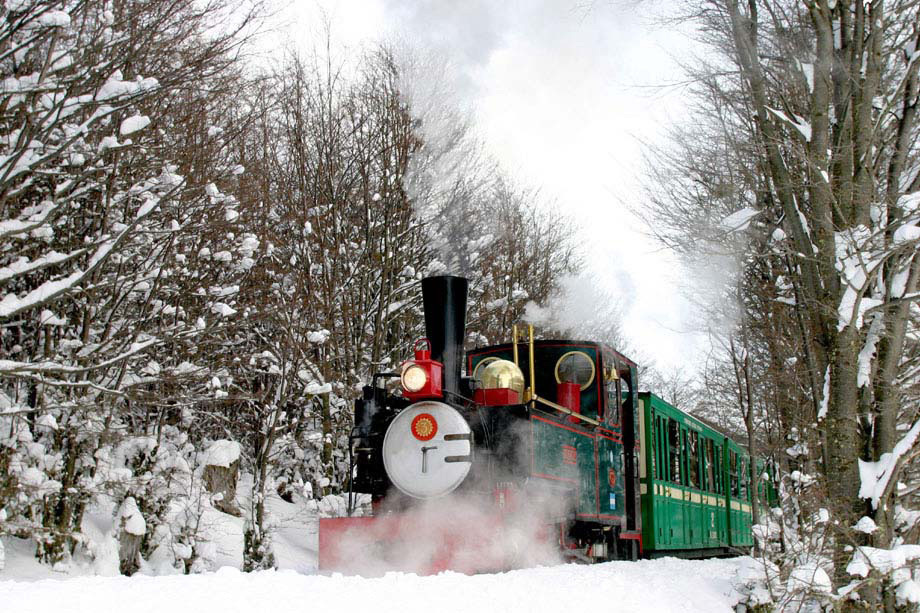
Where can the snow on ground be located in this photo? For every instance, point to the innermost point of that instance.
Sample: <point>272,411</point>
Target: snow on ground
<point>295,538</point>
<point>649,585</point>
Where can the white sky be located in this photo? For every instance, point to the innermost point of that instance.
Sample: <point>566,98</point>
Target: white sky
<point>564,93</point>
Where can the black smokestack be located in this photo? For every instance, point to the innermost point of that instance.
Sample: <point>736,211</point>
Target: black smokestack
<point>445,324</point>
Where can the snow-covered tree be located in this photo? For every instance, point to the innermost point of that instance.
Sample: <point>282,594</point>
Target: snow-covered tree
<point>98,201</point>
<point>800,168</point>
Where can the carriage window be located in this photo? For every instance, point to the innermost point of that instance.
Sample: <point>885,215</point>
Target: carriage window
<point>662,446</point>
<point>674,450</point>
<point>720,470</point>
<point>703,483</point>
<point>662,449</point>
<point>710,477</point>
<point>575,367</point>
<point>683,455</point>
<point>733,472</point>
<point>744,478</point>
<point>693,458</point>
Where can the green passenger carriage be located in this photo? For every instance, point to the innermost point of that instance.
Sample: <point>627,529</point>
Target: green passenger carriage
<point>694,484</point>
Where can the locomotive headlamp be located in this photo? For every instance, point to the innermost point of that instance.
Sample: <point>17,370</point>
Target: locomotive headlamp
<point>422,377</point>
<point>414,378</point>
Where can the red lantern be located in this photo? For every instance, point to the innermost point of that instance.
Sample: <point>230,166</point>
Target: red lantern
<point>422,377</point>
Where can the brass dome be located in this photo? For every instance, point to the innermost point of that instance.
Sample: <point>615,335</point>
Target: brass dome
<point>502,374</point>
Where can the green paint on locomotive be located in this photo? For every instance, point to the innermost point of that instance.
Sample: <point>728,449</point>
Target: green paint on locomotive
<point>586,462</point>
<point>695,482</point>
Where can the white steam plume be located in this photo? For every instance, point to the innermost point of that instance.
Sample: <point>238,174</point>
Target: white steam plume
<point>580,309</point>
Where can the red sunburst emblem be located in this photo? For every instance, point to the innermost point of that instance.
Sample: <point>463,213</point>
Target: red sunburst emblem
<point>424,427</point>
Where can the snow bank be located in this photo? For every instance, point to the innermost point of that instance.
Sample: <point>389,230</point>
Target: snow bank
<point>650,585</point>
<point>663,585</point>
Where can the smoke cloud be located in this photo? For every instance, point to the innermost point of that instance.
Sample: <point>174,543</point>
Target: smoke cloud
<point>580,308</point>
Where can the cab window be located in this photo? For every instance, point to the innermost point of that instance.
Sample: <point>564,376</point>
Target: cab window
<point>613,401</point>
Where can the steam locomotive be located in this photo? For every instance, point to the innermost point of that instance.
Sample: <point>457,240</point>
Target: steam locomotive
<point>551,437</point>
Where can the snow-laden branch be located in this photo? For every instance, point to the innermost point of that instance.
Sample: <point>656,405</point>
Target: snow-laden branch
<point>802,126</point>
<point>875,477</point>
<point>12,367</point>
<point>24,265</point>
<point>11,304</point>
<point>739,220</point>
<point>12,227</point>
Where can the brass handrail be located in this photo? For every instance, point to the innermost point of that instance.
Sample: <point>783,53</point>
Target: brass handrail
<point>533,377</point>
<point>530,393</point>
<point>562,409</point>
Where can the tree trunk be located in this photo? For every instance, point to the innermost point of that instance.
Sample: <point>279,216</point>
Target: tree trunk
<point>328,446</point>
<point>222,480</point>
